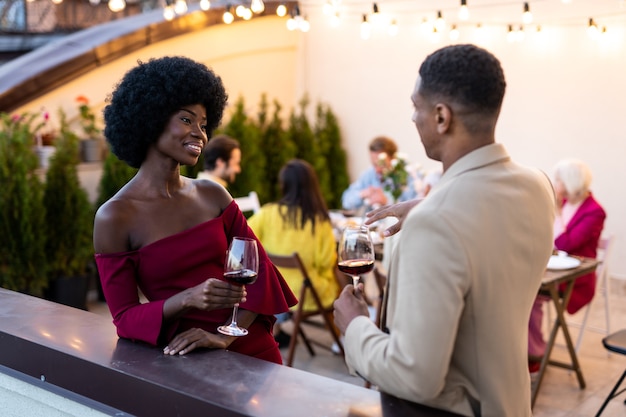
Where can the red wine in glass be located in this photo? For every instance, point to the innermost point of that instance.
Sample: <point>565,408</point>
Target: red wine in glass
<point>356,252</point>
<point>241,277</point>
<point>356,266</point>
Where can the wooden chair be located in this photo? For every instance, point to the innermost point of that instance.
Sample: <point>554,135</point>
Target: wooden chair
<point>299,316</point>
<point>249,202</point>
<point>615,342</point>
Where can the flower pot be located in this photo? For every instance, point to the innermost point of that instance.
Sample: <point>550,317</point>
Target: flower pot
<point>44,153</point>
<point>91,150</point>
<point>71,291</point>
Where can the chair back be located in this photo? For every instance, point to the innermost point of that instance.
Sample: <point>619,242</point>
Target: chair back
<point>249,202</point>
<point>605,248</point>
<point>300,316</point>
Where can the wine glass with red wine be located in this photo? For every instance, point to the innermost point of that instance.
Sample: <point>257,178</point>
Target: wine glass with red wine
<point>356,252</point>
<point>241,268</point>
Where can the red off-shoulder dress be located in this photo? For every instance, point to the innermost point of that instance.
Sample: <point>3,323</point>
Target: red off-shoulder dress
<point>175,263</point>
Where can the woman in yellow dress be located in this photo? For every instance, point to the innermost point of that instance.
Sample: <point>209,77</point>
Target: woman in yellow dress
<point>299,222</point>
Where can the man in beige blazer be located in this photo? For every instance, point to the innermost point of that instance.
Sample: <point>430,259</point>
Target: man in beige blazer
<point>469,260</point>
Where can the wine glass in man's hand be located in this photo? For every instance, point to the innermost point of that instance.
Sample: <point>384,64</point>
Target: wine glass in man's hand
<point>241,268</point>
<point>356,252</point>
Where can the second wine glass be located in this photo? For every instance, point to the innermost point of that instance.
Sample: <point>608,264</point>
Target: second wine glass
<point>356,252</point>
<point>241,268</point>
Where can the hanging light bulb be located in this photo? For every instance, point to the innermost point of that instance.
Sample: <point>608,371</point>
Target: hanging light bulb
<point>520,35</point>
<point>168,13</point>
<point>366,29</point>
<point>57,1</point>
<point>463,11</point>
<point>527,16</point>
<point>454,33</point>
<point>510,35</point>
<point>304,25</point>
<point>335,20</point>
<point>292,23</point>
<point>425,26</point>
<point>393,28</point>
<point>592,29</point>
<point>247,14</point>
<point>92,2</point>
<point>375,16</point>
<point>228,17</point>
<point>239,10</point>
<point>281,10</point>
<point>440,24</point>
<point>257,6</point>
<point>180,7</point>
<point>117,5</point>
<point>328,8</point>
<point>205,5</point>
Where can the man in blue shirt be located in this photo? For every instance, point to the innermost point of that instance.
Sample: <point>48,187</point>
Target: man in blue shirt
<point>368,191</point>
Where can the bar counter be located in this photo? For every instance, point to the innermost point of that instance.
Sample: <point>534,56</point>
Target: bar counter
<point>79,351</point>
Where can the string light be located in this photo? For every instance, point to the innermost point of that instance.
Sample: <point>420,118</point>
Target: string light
<point>335,20</point>
<point>205,5</point>
<point>454,33</point>
<point>440,24</point>
<point>366,29</point>
<point>257,6</point>
<point>281,10</point>
<point>117,5</point>
<point>375,17</point>
<point>168,12</point>
<point>228,17</point>
<point>592,29</point>
<point>527,16</point>
<point>463,11</point>
<point>180,7</point>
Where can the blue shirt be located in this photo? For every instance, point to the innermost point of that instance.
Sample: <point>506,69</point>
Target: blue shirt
<point>351,198</point>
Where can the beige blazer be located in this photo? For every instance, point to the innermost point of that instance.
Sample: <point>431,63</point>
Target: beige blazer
<point>463,277</point>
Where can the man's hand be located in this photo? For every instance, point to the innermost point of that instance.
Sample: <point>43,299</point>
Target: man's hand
<point>349,305</point>
<point>398,210</point>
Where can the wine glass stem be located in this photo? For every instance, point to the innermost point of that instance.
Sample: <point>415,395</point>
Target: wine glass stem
<point>355,280</point>
<point>233,321</point>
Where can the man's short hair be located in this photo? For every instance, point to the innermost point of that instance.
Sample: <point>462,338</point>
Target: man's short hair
<point>467,75</point>
<point>218,147</point>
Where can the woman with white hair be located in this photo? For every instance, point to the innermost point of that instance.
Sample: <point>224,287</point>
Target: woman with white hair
<point>578,224</point>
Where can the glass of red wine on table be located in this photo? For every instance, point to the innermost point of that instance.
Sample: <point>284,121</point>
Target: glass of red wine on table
<point>356,252</point>
<point>241,268</point>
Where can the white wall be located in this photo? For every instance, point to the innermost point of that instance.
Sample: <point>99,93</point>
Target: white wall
<point>566,97</point>
<point>566,93</point>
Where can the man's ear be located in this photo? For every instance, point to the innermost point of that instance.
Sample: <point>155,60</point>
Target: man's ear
<point>443,116</point>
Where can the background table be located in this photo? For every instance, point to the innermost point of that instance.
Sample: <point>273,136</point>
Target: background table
<point>550,284</point>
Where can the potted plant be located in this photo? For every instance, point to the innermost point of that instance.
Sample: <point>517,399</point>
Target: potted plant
<point>22,260</point>
<point>91,144</point>
<point>69,224</point>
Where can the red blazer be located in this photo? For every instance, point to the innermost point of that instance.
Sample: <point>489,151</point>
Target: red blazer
<point>581,238</point>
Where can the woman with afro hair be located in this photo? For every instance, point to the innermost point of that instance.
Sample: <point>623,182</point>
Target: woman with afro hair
<point>165,235</point>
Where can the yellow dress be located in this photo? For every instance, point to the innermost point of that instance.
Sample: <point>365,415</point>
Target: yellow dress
<point>318,251</point>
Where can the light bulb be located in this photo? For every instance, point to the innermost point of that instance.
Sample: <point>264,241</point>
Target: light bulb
<point>239,10</point>
<point>292,24</point>
<point>510,35</point>
<point>57,1</point>
<point>527,16</point>
<point>440,24</point>
<point>247,14</point>
<point>257,6</point>
<point>520,35</point>
<point>228,17</point>
<point>281,10</point>
<point>304,25</point>
<point>463,11</point>
<point>592,29</point>
<point>180,7</point>
<point>205,5</point>
<point>169,13</point>
<point>117,5</point>
<point>366,29</point>
<point>454,33</point>
<point>335,20</point>
<point>92,2</point>
<point>375,16</point>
